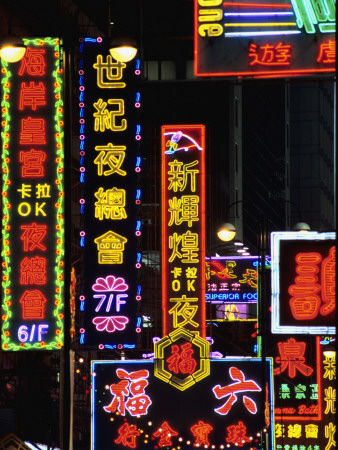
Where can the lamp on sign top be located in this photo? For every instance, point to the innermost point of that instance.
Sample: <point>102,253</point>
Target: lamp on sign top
<point>226,232</point>
<point>12,48</point>
<point>123,48</point>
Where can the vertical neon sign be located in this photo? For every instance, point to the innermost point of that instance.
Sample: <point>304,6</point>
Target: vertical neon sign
<point>110,135</point>
<point>183,228</point>
<point>32,189</point>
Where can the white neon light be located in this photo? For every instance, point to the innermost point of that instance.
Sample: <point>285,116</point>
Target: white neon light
<point>275,239</point>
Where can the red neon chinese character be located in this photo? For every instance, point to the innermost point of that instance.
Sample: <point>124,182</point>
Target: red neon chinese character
<point>127,435</point>
<point>33,131</point>
<point>201,431</point>
<point>270,55</point>
<point>33,95</point>
<point>305,302</point>
<point>33,270</point>
<point>237,434</point>
<point>327,52</point>
<point>241,385</point>
<point>32,163</point>
<point>292,357</point>
<point>165,432</point>
<point>328,279</point>
<point>33,63</point>
<point>33,304</point>
<point>182,362</point>
<point>134,384</point>
<point>32,237</point>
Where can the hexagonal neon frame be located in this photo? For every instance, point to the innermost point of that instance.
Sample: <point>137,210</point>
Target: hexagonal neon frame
<point>163,374</point>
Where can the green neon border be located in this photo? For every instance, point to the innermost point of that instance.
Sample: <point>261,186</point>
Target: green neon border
<point>6,75</point>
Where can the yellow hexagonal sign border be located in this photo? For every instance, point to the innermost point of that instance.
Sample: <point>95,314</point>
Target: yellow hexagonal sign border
<point>163,374</point>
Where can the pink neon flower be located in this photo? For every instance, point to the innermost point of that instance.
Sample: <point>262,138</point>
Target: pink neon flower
<point>110,323</point>
<point>110,283</point>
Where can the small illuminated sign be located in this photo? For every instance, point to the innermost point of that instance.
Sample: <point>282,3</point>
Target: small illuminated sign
<point>110,165</point>
<point>183,228</point>
<point>264,38</point>
<point>231,287</point>
<point>303,282</point>
<point>132,408</point>
<point>33,199</point>
<point>305,393</point>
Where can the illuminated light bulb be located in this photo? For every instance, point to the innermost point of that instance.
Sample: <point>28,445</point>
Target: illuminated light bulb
<point>150,424</point>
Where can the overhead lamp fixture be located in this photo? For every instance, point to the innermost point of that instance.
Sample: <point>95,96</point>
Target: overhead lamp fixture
<point>12,48</point>
<point>301,226</point>
<point>226,232</point>
<point>123,49</point>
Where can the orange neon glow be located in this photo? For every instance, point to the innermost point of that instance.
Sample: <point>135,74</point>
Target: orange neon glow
<point>292,358</point>
<point>181,359</point>
<point>33,304</point>
<point>201,431</point>
<point>32,95</point>
<point>127,435</point>
<point>165,432</point>
<point>237,434</point>
<point>33,131</point>
<point>328,281</point>
<point>305,301</point>
<point>303,413</point>
<point>33,270</point>
<point>32,163</point>
<point>33,63</point>
<point>32,237</point>
<point>270,55</point>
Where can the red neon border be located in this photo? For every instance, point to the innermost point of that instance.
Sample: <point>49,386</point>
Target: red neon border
<point>164,228</point>
<point>261,74</point>
<point>319,417</point>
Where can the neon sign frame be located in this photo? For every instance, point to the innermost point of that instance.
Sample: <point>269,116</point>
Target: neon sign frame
<point>278,36</point>
<point>276,239</point>
<point>183,146</point>
<point>45,313</point>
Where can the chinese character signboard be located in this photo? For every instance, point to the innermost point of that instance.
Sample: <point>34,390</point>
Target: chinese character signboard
<point>305,393</point>
<point>231,287</point>
<point>264,38</point>
<point>303,282</point>
<point>110,135</point>
<point>183,228</point>
<point>131,408</point>
<point>33,199</point>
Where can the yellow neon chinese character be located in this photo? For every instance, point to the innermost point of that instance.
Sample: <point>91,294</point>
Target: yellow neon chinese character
<point>105,119</point>
<point>42,190</point>
<point>25,190</point>
<point>183,309</point>
<point>113,71</point>
<point>111,155</point>
<point>110,248</point>
<point>180,173</point>
<point>184,209</point>
<point>330,398</point>
<point>111,204</point>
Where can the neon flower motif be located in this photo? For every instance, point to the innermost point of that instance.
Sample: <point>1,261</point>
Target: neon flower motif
<point>111,323</point>
<point>110,283</point>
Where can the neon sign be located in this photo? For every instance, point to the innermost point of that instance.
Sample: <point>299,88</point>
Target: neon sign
<point>183,228</point>
<point>110,168</point>
<point>132,407</point>
<point>303,282</point>
<point>33,199</point>
<point>264,39</point>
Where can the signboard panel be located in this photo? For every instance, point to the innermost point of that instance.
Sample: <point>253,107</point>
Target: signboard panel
<point>304,379</point>
<point>303,282</point>
<point>110,134</point>
<point>264,38</point>
<point>231,287</point>
<point>131,408</point>
<point>183,228</point>
<point>33,199</point>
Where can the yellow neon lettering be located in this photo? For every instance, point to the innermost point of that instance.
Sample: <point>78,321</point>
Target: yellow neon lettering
<point>175,285</point>
<point>184,209</point>
<point>39,208</point>
<point>25,190</point>
<point>183,311</point>
<point>105,119</point>
<point>109,70</point>
<point>42,190</point>
<point>113,157</point>
<point>210,15</point>
<point>209,2</point>
<point>25,206</point>
<point>180,173</point>
<point>210,29</point>
<point>110,248</point>
<point>111,204</point>
<point>190,285</point>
